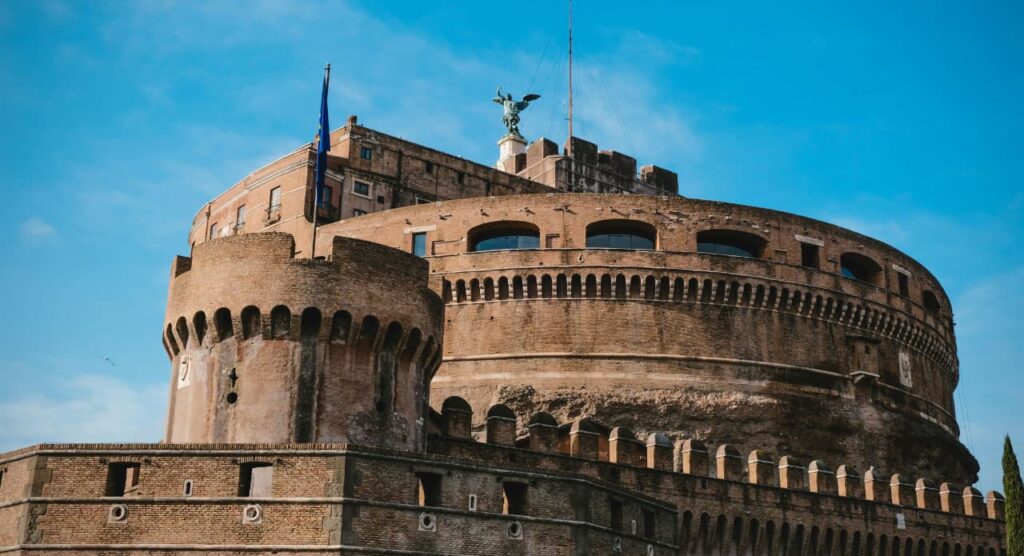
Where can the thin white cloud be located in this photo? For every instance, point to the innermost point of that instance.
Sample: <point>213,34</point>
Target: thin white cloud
<point>442,95</point>
<point>37,230</point>
<point>84,408</point>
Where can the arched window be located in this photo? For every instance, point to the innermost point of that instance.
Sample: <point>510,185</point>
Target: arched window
<point>498,236</point>
<point>341,325</point>
<point>222,322</point>
<point>859,267</point>
<point>930,302</point>
<point>251,326</point>
<point>621,234</point>
<point>280,322</point>
<point>182,329</point>
<point>731,242</point>
<point>199,324</point>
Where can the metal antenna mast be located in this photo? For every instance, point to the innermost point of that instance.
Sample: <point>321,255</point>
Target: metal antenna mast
<point>569,145</point>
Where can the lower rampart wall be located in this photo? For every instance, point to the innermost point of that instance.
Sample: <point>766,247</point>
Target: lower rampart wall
<point>458,499</point>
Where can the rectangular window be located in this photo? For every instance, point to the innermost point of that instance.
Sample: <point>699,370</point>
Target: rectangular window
<point>810,255</point>
<point>122,478</point>
<point>419,244</point>
<point>357,212</point>
<point>648,524</point>
<point>325,197</point>
<point>366,153</point>
<point>461,178</point>
<point>240,217</point>
<point>904,282</point>
<point>428,487</point>
<point>615,511</point>
<point>514,498</point>
<point>255,479</point>
<point>380,199</point>
<point>275,198</point>
<point>428,166</point>
<point>360,188</point>
<point>213,230</point>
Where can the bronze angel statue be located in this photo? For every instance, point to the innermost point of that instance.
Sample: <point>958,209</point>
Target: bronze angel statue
<point>512,108</point>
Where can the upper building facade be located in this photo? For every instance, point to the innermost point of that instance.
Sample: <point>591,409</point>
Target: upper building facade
<point>370,171</point>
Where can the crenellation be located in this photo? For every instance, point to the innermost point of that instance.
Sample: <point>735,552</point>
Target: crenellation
<point>974,502</point>
<point>951,498</point>
<point>457,416</point>
<point>901,492</point>
<point>761,469</point>
<point>624,448</point>
<point>821,479</point>
<point>792,473</point>
<point>694,457</point>
<point>501,425</point>
<point>584,439</point>
<point>543,433</point>
<point>728,463</point>
<point>850,484</point>
<point>659,451</point>
<point>995,504</point>
<point>927,495</point>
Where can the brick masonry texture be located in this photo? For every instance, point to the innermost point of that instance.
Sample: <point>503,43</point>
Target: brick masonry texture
<point>270,348</point>
<point>562,399</point>
<point>756,352</point>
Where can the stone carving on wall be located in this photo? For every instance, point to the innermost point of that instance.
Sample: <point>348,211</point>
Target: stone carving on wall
<point>906,379</point>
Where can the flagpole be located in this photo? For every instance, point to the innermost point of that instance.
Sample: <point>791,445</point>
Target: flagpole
<point>316,174</point>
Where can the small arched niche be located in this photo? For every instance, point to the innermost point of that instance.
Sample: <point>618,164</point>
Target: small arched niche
<point>861,268</point>
<point>930,302</point>
<point>504,235</point>
<point>222,323</point>
<point>251,326</point>
<point>621,234</point>
<point>731,242</point>
<point>280,322</point>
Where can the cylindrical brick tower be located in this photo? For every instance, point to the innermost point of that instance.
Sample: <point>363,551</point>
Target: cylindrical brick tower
<point>709,320</point>
<point>268,348</point>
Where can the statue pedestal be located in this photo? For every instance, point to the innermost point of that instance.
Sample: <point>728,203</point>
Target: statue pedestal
<point>509,147</point>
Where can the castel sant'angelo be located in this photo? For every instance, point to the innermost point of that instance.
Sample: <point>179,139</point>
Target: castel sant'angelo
<point>558,354</point>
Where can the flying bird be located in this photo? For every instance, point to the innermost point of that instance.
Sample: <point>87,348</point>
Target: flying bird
<point>107,359</point>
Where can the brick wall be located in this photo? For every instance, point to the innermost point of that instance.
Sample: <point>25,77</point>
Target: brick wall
<point>353,499</point>
<point>266,347</point>
<point>760,352</point>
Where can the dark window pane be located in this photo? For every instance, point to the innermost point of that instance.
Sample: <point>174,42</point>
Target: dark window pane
<point>508,241</point>
<point>723,249</point>
<point>619,241</point>
<point>419,244</point>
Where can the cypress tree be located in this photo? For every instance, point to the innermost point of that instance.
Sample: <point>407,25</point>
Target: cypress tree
<point>1014,492</point>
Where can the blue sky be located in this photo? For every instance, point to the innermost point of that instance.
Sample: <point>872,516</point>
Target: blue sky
<point>120,119</point>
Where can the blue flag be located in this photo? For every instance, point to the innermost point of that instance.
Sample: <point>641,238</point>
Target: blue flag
<point>324,143</point>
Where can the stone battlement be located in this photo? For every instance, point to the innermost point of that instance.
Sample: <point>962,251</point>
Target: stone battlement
<point>587,438</point>
<point>590,169</point>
